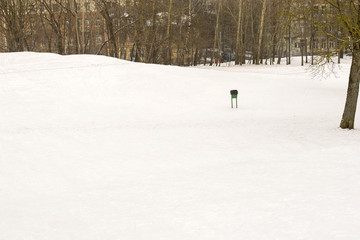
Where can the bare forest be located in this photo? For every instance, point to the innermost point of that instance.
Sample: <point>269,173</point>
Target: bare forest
<point>177,32</point>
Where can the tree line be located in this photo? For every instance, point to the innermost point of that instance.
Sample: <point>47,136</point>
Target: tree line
<point>179,32</point>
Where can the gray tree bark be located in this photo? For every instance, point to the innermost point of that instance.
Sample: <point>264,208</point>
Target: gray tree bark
<point>348,117</point>
<point>216,32</point>
<point>168,34</point>
<point>261,31</point>
<point>238,59</point>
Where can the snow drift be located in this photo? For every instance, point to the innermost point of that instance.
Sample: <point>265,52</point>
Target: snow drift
<point>98,148</point>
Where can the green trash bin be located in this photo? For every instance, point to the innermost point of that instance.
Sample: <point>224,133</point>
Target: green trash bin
<point>234,94</point>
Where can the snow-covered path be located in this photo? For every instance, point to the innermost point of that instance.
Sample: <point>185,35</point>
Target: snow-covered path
<point>98,148</point>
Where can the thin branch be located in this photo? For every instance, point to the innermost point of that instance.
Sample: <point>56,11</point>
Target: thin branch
<point>111,38</point>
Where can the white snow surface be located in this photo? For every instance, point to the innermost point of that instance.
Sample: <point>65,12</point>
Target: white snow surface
<point>99,148</point>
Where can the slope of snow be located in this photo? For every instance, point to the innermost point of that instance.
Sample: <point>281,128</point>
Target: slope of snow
<point>98,148</point>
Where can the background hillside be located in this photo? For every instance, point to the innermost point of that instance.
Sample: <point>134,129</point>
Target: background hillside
<point>99,148</point>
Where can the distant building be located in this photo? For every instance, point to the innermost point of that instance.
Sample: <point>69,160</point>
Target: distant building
<point>304,36</point>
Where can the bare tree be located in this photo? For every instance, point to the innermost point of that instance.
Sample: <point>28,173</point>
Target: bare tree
<point>54,15</point>
<point>239,43</point>
<point>261,30</point>
<point>168,33</point>
<point>107,10</point>
<point>216,34</point>
<point>348,15</point>
<point>14,19</point>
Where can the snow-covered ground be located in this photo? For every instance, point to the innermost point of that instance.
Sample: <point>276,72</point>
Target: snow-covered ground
<point>98,148</point>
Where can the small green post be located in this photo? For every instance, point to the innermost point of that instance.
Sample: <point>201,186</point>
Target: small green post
<point>234,94</point>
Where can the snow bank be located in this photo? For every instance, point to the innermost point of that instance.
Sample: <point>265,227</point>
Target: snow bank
<point>98,148</point>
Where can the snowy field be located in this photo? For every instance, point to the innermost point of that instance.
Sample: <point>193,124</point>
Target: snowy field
<point>94,148</point>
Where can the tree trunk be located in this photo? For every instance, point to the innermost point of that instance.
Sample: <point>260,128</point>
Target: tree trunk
<point>168,35</point>
<point>78,41</point>
<point>348,117</point>
<point>196,57</point>
<point>60,45</point>
<point>339,53</point>
<point>280,51</point>
<point>312,32</point>
<point>306,51</point>
<point>151,50</point>
<point>111,33</point>
<point>289,46</point>
<point>302,51</point>
<point>261,32</point>
<point>253,38</point>
<point>216,32</point>
<point>238,59</point>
